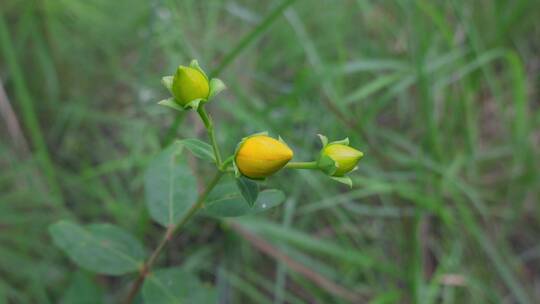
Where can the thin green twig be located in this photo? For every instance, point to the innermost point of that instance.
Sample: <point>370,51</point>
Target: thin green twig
<point>167,236</point>
<point>312,165</point>
<point>208,123</point>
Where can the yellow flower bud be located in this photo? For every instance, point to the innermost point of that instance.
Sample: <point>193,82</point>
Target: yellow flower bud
<point>260,156</point>
<point>189,84</point>
<point>345,157</point>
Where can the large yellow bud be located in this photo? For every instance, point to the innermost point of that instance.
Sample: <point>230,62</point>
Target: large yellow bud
<point>189,84</point>
<point>346,158</point>
<point>260,156</point>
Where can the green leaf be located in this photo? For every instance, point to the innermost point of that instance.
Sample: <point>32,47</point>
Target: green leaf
<point>216,86</point>
<point>327,165</point>
<point>171,103</point>
<point>249,189</point>
<point>225,200</point>
<point>343,179</point>
<point>82,290</point>
<point>199,148</point>
<point>174,285</point>
<point>101,248</point>
<point>170,187</point>
<point>167,82</point>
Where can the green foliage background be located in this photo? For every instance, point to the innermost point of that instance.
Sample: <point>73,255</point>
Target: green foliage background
<point>441,96</point>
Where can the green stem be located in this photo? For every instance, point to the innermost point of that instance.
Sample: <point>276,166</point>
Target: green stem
<point>207,120</point>
<point>199,203</point>
<point>312,165</point>
<point>226,163</point>
<point>167,236</point>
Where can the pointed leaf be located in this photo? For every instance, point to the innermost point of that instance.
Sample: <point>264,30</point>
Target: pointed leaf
<point>199,148</point>
<point>174,285</point>
<point>343,179</point>
<point>216,86</point>
<point>82,290</point>
<point>227,201</point>
<point>101,248</point>
<point>171,103</point>
<point>249,189</point>
<point>170,187</point>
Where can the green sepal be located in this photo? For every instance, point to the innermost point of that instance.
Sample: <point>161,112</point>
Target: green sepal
<point>195,64</point>
<point>237,173</point>
<point>343,179</point>
<point>327,165</point>
<point>249,189</point>
<point>216,86</point>
<point>171,103</point>
<point>281,140</point>
<point>324,140</point>
<point>195,103</point>
<point>344,141</point>
<point>167,82</point>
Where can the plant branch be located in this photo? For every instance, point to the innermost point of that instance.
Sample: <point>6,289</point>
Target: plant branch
<point>226,163</point>
<point>312,165</point>
<point>167,236</point>
<point>246,41</point>
<point>207,120</point>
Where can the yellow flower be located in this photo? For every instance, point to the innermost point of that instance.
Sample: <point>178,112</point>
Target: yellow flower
<point>260,156</point>
<point>189,84</point>
<point>346,158</point>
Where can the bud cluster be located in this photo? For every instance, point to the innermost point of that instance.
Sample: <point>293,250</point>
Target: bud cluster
<point>190,87</point>
<point>257,156</point>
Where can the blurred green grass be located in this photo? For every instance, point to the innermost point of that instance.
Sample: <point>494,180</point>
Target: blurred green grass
<point>442,96</point>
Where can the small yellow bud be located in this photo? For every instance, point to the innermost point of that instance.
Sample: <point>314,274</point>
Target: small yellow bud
<point>189,84</point>
<point>345,157</point>
<point>260,156</point>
